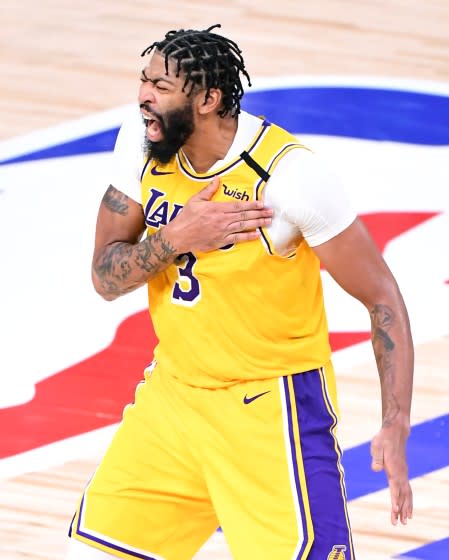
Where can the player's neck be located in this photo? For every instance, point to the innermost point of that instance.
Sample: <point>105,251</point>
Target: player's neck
<point>210,142</point>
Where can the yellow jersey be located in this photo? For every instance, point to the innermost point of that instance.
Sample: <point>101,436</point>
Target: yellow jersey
<point>242,312</point>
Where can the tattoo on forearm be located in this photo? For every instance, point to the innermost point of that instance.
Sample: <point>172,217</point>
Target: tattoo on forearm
<point>154,246</point>
<point>385,339</point>
<point>382,320</point>
<point>122,267</point>
<point>116,201</point>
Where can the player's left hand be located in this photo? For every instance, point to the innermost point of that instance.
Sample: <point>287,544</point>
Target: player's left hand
<point>388,452</point>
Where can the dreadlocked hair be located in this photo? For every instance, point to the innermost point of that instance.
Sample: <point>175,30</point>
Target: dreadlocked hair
<point>208,61</point>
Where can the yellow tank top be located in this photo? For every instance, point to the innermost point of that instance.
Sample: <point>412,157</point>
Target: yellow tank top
<point>241,312</point>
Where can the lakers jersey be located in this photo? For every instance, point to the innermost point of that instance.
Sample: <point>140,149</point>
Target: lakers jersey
<point>241,312</point>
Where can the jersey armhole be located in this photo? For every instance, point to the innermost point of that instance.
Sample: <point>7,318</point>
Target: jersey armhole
<point>265,236</point>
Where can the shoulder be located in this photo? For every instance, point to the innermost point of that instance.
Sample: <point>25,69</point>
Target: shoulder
<point>128,157</point>
<point>310,195</point>
<point>302,170</point>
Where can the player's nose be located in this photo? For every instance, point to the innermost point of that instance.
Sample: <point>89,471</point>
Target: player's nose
<point>146,93</point>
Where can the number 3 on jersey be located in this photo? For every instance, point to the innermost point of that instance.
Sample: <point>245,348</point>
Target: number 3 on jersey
<point>187,290</point>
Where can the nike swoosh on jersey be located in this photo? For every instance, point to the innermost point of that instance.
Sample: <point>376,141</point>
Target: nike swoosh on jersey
<point>248,400</point>
<point>154,171</point>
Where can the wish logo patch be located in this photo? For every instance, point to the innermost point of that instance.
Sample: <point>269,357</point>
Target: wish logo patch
<point>235,193</point>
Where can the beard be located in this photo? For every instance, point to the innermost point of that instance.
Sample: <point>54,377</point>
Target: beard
<point>177,126</point>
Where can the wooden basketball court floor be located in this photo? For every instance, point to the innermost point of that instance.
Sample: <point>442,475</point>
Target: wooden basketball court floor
<point>61,60</point>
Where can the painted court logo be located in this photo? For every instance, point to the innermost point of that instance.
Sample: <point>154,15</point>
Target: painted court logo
<point>337,552</point>
<point>414,121</point>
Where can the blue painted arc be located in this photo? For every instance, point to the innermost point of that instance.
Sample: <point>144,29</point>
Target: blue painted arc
<point>365,113</point>
<point>427,450</point>
<point>438,550</point>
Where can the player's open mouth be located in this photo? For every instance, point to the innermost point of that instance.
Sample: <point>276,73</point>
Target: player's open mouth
<point>153,127</point>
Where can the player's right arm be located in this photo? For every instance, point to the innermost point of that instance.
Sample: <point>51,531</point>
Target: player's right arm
<point>122,262</point>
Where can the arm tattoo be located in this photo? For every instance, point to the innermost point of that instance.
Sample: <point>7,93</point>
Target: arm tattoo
<point>157,247</point>
<point>382,319</point>
<point>116,201</point>
<point>123,267</point>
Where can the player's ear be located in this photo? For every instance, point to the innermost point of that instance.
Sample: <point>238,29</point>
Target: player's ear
<point>207,103</point>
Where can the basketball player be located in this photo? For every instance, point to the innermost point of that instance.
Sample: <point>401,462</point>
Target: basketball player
<point>234,424</point>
